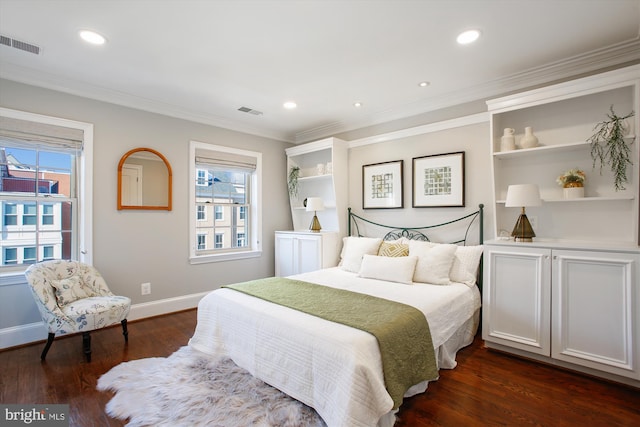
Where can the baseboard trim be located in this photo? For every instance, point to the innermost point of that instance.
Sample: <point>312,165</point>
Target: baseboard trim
<point>34,332</point>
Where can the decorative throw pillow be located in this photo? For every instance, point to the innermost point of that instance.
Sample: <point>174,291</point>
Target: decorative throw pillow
<point>70,290</point>
<point>353,250</point>
<point>465,264</point>
<point>434,262</point>
<point>393,249</point>
<point>391,269</point>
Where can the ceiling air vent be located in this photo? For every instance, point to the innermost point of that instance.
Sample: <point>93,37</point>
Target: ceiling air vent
<point>250,111</point>
<point>18,44</point>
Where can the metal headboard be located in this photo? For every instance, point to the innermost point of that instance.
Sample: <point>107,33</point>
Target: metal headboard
<point>421,233</point>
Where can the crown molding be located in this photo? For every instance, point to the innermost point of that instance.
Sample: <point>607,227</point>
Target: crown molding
<point>616,55</point>
<point>79,88</point>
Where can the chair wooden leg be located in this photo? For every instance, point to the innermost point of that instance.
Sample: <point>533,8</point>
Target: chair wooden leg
<point>125,332</point>
<point>48,345</point>
<point>86,345</point>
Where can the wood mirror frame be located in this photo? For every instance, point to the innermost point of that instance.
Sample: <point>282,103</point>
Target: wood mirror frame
<point>153,206</point>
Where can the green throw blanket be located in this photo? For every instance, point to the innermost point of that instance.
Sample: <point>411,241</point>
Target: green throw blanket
<point>401,330</point>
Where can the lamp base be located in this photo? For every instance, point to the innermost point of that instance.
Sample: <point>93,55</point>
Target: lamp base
<point>315,225</point>
<point>523,232</point>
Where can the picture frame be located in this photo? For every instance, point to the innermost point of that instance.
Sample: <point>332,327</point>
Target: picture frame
<point>438,180</point>
<point>382,185</point>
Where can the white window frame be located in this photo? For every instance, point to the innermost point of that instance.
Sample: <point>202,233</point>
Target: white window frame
<point>255,215</point>
<point>84,207</point>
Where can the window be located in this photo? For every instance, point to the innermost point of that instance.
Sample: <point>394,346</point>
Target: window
<point>201,212</point>
<point>10,214</point>
<point>45,171</point>
<point>219,212</point>
<point>29,214</point>
<point>219,244</point>
<point>47,214</point>
<point>225,188</point>
<point>202,241</point>
<point>10,256</point>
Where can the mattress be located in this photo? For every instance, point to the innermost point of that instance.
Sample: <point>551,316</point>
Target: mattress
<point>333,368</point>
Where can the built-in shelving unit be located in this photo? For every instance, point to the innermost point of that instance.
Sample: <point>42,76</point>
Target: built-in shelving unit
<point>323,173</point>
<point>563,118</point>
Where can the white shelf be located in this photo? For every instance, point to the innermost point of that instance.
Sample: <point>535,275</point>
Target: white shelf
<point>315,177</point>
<point>544,149</point>
<point>584,199</point>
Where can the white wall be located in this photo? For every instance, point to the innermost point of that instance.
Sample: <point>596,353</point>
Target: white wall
<point>132,247</point>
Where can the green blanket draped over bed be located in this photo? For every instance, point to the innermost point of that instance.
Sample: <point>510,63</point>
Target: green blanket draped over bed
<point>402,331</point>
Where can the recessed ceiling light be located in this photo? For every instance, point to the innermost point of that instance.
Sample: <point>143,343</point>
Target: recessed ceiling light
<point>357,104</point>
<point>424,84</point>
<point>468,36</point>
<point>290,105</point>
<point>92,37</point>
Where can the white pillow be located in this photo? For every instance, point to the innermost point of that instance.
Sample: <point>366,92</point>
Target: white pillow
<point>434,262</point>
<point>391,269</point>
<point>465,264</point>
<point>70,289</point>
<point>353,250</point>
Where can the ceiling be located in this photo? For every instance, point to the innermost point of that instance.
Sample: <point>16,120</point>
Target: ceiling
<point>202,60</point>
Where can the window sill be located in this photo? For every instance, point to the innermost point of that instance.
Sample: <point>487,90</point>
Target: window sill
<point>224,257</point>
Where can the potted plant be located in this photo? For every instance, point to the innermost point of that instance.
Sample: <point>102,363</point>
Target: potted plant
<point>608,146</point>
<point>292,181</point>
<point>572,182</point>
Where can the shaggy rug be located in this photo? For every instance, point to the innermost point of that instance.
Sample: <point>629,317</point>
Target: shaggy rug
<point>189,389</point>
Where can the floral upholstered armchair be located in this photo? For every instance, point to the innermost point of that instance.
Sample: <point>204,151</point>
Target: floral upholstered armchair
<point>73,297</point>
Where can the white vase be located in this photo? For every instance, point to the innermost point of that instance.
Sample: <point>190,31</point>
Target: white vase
<point>573,192</point>
<point>508,140</point>
<point>529,140</point>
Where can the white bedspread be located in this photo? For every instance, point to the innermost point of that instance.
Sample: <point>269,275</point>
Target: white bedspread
<point>333,368</point>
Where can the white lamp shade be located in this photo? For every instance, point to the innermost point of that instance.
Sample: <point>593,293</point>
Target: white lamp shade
<point>523,195</point>
<point>315,204</point>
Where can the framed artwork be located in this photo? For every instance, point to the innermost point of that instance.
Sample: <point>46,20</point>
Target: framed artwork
<point>382,185</point>
<point>438,180</point>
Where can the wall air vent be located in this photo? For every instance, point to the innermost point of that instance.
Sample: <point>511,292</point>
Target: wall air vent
<point>18,44</point>
<point>250,111</point>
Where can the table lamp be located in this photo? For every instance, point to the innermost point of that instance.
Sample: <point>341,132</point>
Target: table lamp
<point>523,195</point>
<point>315,204</point>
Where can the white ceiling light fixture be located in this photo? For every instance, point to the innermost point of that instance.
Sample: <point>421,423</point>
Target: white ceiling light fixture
<point>357,104</point>
<point>290,105</point>
<point>424,84</point>
<point>468,36</point>
<point>92,37</point>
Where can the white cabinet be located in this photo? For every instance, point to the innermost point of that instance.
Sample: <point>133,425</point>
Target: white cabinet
<point>563,117</point>
<point>300,252</point>
<point>577,307</point>
<point>323,173</point>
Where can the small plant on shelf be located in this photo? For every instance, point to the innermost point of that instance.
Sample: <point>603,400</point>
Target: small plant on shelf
<point>292,181</point>
<point>609,147</point>
<point>572,178</point>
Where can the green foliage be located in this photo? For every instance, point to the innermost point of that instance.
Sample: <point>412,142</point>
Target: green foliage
<point>292,181</point>
<point>608,147</point>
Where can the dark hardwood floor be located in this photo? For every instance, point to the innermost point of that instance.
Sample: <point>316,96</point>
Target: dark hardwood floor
<point>486,389</point>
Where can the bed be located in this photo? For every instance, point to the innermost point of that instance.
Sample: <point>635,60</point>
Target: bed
<point>337,369</point>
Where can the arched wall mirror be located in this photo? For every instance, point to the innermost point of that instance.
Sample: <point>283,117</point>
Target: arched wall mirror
<point>144,180</point>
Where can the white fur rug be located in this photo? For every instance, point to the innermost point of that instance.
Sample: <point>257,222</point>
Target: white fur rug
<point>190,389</point>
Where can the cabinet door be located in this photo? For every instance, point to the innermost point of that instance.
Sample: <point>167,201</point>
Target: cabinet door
<point>594,295</point>
<point>297,253</point>
<point>516,301</point>
<point>285,254</point>
<point>309,253</point>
